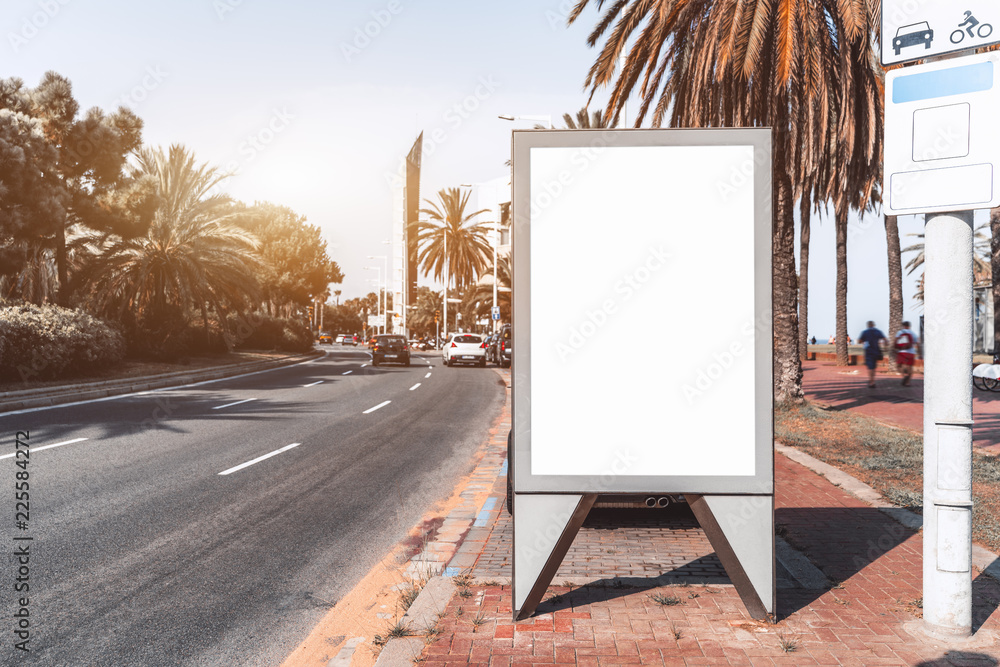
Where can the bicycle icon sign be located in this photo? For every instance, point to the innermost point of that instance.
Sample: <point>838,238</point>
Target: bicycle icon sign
<point>969,25</point>
<point>915,30</point>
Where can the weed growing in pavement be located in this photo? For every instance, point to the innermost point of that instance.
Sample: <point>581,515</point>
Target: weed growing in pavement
<point>665,600</point>
<point>692,596</point>
<point>409,594</point>
<point>465,593</point>
<point>675,631</point>
<point>787,644</point>
<point>478,620</point>
<point>463,580</point>
<point>394,631</point>
<point>432,633</point>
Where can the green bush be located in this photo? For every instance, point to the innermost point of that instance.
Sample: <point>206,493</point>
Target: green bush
<point>45,342</point>
<point>262,332</point>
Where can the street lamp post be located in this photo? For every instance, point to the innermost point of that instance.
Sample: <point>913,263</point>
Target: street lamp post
<point>546,118</point>
<point>385,265</point>
<point>379,300</point>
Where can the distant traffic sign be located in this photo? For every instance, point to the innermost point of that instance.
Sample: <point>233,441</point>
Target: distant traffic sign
<point>942,144</point>
<point>496,312</point>
<point>918,29</point>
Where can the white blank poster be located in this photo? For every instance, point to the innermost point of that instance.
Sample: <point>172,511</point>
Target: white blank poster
<point>642,311</point>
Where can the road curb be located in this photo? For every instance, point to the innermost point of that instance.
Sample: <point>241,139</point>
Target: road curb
<point>28,399</point>
<point>422,615</point>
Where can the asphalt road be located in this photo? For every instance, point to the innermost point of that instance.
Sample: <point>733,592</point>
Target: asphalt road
<point>144,553</point>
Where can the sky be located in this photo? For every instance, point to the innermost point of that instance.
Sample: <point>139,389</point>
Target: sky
<point>313,105</point>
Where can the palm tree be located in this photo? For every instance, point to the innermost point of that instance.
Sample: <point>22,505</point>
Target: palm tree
<point>740,63</point>
<point>480,296</point>
<point>192,256</point>
<point>450,243</point>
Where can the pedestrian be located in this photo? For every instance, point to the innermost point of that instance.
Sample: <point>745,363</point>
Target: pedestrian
<point>832,340</point>
<point>812,341</point>
<point>872,339</point>
<point>906,345</point>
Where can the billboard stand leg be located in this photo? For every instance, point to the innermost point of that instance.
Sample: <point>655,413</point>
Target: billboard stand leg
<point>544,527</point>
<point>741,530</point>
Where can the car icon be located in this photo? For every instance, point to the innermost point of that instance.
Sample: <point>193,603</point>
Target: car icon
<point>913,34</point>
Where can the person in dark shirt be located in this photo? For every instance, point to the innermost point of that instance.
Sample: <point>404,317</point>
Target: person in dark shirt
<point>872,339</point>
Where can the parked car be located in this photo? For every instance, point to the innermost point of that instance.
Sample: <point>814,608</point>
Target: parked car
<point>325,338</point>
<point>390,348</point>
<point>489,347</point>
<point>465,348</point>
<point>502,347</point>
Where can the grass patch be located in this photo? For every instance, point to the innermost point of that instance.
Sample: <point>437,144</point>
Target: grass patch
<point>888,459</point>
<point>665,600</point>
<point>787,644</point>
<point>394,631</point>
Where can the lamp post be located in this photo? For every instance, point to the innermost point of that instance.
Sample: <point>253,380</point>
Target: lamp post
<point>379,269</point>
<point>385,266</point>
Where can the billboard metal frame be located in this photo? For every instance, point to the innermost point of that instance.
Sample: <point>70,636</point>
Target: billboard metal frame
<point>735,510</point>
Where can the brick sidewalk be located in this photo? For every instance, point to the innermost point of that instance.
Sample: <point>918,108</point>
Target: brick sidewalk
<point>652,592</point>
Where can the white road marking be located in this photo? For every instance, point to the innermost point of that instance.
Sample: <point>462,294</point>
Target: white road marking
<point>427,376</point>
<point>347,373</point>
<point>259,459</point>
<point>414,386</point>
<point>380,405</point>
<point>38,449</point>
<point>229,405</point>
<point>313,384</point>
<point>363,365</point>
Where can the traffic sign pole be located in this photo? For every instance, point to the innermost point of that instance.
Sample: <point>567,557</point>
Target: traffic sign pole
<point>947,600</point>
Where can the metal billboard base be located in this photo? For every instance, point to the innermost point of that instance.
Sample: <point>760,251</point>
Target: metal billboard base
<point>740,529</point>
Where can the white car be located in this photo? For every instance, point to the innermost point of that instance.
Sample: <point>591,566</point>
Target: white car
<point>465,348</point>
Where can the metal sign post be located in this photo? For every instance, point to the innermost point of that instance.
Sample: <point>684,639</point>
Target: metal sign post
<point>942,151</point>
<point>629,217</point>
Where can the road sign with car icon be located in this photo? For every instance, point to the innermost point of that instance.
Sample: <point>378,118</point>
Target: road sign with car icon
<point>917,29</point>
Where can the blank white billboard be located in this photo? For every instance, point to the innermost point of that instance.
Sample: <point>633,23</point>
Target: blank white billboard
<point>643,343</point>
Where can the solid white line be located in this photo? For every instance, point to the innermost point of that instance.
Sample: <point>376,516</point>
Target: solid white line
<point>363,365</point>
<point>151,391</point>
<point>38,449</point>
<point>347,373</point>
<point>380,405</point>
<point>427,376</point>
<point>260,458</point>
<point>414,386</point>
<point>313,384</point>
<point>229,405</point>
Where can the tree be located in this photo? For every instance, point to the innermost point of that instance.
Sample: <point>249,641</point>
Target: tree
<point>741,63</point>
<point>193,255</point>
<point>91,154</point>
<point>33,202</point>
<point>451,243</point>
<point>467,246</point>
<point>480,295</point>
<point>295,264</point>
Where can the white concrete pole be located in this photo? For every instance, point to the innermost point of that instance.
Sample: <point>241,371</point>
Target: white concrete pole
<point>947,600</point>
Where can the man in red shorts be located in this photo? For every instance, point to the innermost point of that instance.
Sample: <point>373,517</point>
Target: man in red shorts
<point>906,351</point>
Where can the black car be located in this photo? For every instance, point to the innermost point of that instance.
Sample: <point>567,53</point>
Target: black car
<point>502,346</point>
<point>389,348</point>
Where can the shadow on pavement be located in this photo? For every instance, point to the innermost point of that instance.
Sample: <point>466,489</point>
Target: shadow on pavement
<point>962,659</point>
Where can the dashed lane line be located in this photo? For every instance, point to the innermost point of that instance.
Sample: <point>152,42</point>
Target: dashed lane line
<point>380,405</point>
<point>313,384</point>
<point>229,405</point>
<point>414,386</point>
<point>259,459</point>
<point>38,449</point>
